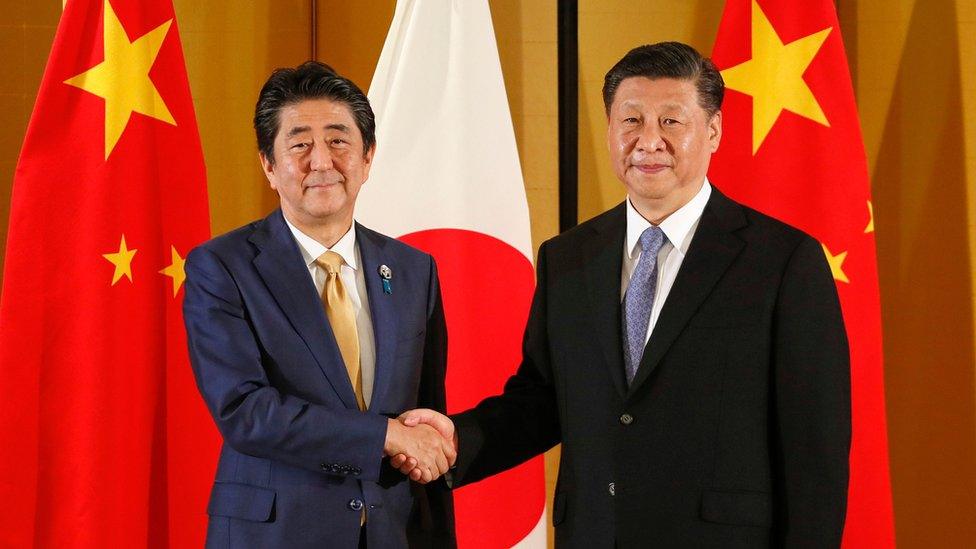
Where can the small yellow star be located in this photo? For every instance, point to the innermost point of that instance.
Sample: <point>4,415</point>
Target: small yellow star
<point>870,227</point>
<point>774,76</point>
<point>836,263</point>
<point>122,260</point>
<point>175,270</point>
<point>122,79</point>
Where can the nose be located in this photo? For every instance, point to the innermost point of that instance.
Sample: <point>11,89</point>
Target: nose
<point>320,158</point>
<point>650,139</point>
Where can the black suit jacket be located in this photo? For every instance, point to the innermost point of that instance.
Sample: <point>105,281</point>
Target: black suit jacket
<point>736,429</point>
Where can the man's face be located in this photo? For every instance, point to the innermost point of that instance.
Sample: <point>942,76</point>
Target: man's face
<point>319,164</point>
<point>660,139</point>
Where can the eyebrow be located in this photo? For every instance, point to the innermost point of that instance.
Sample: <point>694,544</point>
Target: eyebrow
<point>303,129</point>
<point>665,106</point>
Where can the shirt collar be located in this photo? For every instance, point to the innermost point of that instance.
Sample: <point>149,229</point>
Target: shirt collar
<point>311,249</point>
<point>677,227</point>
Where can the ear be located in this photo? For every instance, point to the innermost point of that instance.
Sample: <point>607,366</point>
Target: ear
<point>368,161</point>
<point>715,130</point>
<point>268,168</point>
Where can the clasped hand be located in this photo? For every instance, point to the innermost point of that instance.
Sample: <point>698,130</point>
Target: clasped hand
<point>421,444</point>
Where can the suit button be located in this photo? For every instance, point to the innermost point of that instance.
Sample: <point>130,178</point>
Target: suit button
<point>612,489</point>
<point>626,419</point>
<point>356,504</point>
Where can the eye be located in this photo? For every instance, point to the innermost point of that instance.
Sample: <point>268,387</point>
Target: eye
<point>299,146</point>
<point>337,142</point>
<point>631,120</point>
<point>669,122</point>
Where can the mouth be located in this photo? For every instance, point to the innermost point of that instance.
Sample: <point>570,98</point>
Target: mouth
<point>322,185</point>
<point>650,168</point>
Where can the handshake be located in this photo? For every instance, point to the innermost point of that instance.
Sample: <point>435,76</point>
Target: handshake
<point>421,444</point>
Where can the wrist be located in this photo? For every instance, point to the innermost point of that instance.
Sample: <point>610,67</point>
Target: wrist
<point>390,444</point>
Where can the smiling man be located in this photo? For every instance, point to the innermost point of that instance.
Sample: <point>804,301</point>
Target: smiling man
<point>308,332</point>
<point>687,351</point>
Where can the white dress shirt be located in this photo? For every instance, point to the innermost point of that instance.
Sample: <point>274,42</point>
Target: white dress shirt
<point>355,284</point>
<point>679,229</point>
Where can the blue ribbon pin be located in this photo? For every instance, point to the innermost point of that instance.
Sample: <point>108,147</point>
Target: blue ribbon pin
<point>386,274</point>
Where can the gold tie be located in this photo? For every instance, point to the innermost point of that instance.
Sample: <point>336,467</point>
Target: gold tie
<point>342,318</point>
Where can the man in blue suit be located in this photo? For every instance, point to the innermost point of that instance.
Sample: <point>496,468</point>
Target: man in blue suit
<point>308,333</point>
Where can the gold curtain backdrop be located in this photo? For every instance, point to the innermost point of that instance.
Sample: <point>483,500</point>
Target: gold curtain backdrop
<point>913,63</point>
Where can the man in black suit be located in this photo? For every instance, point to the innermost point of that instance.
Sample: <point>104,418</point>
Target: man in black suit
<point>688,352</point>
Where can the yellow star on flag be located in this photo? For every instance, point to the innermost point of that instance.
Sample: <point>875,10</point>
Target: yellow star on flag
<point>122,260</point>
<point>122,79</point>
<point>870,227</point>
<point>175,270</point>
<point>774,76</point>
<point>836,263</point>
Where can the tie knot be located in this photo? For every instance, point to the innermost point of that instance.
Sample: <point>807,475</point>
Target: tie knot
<point>330,261</point>
<point>651,240</point>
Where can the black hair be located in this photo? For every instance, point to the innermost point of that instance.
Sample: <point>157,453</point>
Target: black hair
<point>668,60</point>
<point>310,80</point>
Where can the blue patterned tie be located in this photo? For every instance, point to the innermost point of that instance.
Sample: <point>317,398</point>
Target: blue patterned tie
<point>639,299</point>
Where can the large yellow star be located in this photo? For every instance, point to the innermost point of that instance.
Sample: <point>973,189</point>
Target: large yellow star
<point>774,76</point>
<point>175,270</point>
<point>122,260</point>
<point>122,79</point>
<point>836,263</point>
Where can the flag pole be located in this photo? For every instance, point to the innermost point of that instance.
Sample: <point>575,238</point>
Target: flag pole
<point>568,53</point>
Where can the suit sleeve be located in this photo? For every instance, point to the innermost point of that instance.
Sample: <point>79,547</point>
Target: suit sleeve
<point>253,416</point>
<point>436,529</point>
<point>812,401</point>
<point>506,430</point>
<point>432,393</point>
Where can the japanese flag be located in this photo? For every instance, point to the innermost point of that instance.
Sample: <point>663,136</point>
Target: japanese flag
<point>446,179</point>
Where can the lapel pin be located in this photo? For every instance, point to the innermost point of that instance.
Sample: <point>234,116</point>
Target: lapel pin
<point>386,274</point>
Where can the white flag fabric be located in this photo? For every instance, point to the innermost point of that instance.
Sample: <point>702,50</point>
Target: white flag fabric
<point>446,154</point>
<point>446,179</point>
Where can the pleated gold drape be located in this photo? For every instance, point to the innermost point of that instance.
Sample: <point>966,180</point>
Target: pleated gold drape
<point>913,64</point>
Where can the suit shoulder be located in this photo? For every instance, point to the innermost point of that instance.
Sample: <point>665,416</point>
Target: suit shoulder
<point>402,250</point>
<point>763,227</point>
<point>400,247</point>
<point>614,218</point>
<point>231,242</point>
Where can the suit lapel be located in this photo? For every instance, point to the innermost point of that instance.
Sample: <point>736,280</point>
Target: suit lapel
<point>374,253</point>
<point>602,260</point>
<point>283,269</point>
<point>711,252</point>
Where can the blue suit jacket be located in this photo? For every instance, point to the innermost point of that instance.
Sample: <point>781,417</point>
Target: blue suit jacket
<point>299,459</point>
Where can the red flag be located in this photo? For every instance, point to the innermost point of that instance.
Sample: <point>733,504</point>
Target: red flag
<point>106,442</point>
<point>792,149</point>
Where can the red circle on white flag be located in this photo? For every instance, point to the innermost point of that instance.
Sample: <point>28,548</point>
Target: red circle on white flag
<point>487,288</point>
